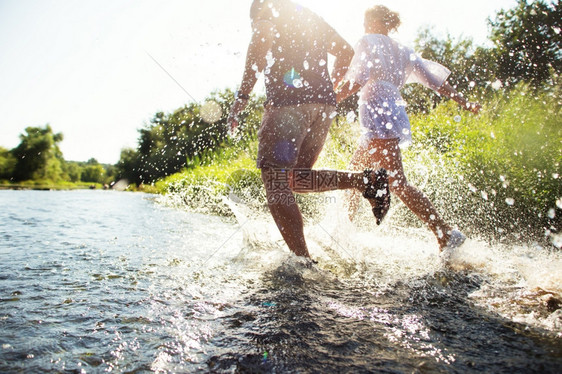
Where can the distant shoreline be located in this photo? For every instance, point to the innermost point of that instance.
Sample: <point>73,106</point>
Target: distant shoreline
<point>24,187</point>
<point>70,187</point>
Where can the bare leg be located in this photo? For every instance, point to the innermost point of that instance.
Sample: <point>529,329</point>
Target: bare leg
<point>386,153</point>
<point>280,187</point>
<point>285,211</point>
<point>359,161</point>
<point>281,201</point>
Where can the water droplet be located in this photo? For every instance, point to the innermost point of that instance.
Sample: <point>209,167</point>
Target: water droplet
<point>551,213</point>
<point>497,84</point>
<point>211,111</point>
<point>457,118</point>
<point>510,201</point>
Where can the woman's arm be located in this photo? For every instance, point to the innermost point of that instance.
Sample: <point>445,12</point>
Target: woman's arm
<point>448,90</point>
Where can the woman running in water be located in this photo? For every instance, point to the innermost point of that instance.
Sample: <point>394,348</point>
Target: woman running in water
<point>380,67</point>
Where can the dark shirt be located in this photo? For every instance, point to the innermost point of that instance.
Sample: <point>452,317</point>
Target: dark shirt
<point>298,72</point>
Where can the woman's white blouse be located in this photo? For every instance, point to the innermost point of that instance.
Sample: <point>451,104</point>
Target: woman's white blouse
<point>382,66</point>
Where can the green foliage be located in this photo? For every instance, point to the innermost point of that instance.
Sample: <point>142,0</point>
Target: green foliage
<point>38,155</point>
<point>528,42</point>
<point>37,162</point>
<point>495,175</point>
<point>128,165</point>
<point>173,141</point>
<point>527,47</point>
<point>203,186</point>
<point>93,173</point>
<point>7,164</point>
<point>505,162</point>
<point>73,171</point>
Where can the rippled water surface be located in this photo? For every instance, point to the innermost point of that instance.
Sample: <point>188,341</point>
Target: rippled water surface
<point>99,281</point>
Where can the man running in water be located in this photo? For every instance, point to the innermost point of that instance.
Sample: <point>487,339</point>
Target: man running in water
<point>290,44</point>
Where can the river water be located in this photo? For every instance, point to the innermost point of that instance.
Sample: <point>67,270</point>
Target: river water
<point>100,281</point>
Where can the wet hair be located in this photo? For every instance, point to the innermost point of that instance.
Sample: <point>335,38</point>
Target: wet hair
<point>390,19</point>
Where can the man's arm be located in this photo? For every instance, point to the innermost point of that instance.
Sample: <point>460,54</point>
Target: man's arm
<point>262,39</point>
<point>343,51</point>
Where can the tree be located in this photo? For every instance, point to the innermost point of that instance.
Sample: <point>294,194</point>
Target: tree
<point>7,164</point>
<point>128,165</point>
<point>171,140</point>
<point>472,68</point>
<point>73,171</point>
<point>528,40</point>
<point>38,155</point>
<point>93,173</point>
<point>110,173</point>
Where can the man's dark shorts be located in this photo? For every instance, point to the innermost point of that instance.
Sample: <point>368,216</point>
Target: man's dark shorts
<point>293,136</point>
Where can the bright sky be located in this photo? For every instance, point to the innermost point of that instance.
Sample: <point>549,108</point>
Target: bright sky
<point>85,67</point>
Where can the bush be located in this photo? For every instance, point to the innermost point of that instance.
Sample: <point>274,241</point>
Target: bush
<point>507,161</point>
<point>214,176</point>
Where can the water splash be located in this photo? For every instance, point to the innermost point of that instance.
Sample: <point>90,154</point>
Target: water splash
<point>520,283</point>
